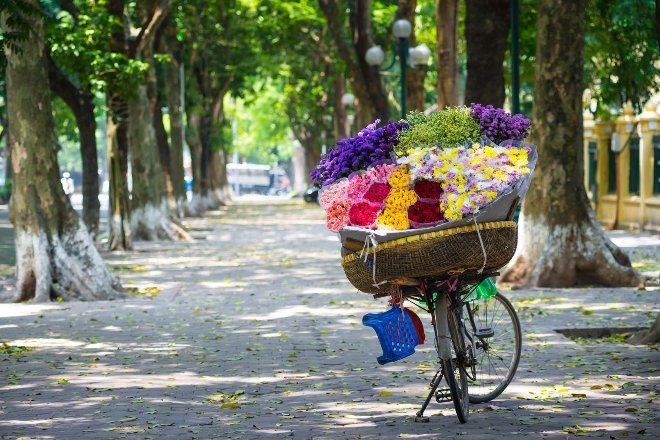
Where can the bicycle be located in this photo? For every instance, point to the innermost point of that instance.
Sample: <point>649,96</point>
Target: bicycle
<point>469,334</point>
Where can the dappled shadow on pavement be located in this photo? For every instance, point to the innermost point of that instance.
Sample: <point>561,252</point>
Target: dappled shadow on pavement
<point>251,331</point>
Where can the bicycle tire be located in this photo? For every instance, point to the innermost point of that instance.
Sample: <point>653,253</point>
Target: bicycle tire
<point>498,314</point>
<point>458,386</point>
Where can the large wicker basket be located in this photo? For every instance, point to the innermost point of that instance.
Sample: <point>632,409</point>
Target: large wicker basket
<point>431,254</point>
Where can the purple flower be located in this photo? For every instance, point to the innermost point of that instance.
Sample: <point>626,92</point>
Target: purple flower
<point>371,145</point>
<point>498,125</point>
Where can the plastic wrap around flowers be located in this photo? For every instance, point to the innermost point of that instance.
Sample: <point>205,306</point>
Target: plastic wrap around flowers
<point>407,185</point>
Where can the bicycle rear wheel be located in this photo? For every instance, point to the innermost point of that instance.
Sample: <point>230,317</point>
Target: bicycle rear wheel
<point>494,328</point>
<point>452,368</point>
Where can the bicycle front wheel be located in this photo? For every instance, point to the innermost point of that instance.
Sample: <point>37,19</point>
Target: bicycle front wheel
<point>494,328</point>
<point>452,366</point>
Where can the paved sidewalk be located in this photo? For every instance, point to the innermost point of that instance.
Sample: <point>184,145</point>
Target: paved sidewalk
<point>251,331</point>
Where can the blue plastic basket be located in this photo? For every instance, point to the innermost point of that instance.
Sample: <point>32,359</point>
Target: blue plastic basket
<point>396,334</point>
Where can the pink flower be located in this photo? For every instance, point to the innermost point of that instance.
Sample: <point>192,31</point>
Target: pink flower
<point>336,216</point>
<point>333,193</point>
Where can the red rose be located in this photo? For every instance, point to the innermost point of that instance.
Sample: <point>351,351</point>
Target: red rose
<point>363,214</point>
<point>423,212</point>
<point>377,192</point>
<point>428,189</point>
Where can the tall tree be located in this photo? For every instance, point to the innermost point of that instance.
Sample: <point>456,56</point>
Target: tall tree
<point>156,96</point>
<point>81,102</point>
<point>173,85</point>
<point>561,242</point>
<point>414,78</point>
<point>212,86</point>
<point>196,207</point>
<point>55,256</point>
<point>150,215</point>
<point>310,98</point>
<point>487,26</point>
<point>219,42</point>
<point>446,48</point>
<point>365,81</point>
<point>80,62</point>
<point>119,218</point>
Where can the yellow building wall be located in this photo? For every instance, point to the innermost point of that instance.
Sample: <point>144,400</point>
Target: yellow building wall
<point>635,211</point>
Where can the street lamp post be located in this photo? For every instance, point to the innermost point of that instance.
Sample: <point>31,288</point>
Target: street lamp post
<point>347,100</point>
<point>415,58</point>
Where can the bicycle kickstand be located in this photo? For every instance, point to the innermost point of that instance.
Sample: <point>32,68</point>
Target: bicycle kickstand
<point>420,417</point>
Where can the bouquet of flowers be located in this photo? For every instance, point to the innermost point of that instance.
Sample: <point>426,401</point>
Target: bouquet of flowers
<point>425,171</point>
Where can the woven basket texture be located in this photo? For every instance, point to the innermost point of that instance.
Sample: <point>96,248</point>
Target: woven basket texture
<point>431,255</point>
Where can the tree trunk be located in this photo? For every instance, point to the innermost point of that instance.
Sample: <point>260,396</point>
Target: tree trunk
<point>55,256</point>
<point>486,30</point>
<point>150,218</point>
<point>312,158</point>
<point>219,184</point>
<point>205,129</point>
<point>90,166</point>
<point>119,233</point>
<point>223,177</point>
<point>446,22</point>
<point>172,86</point>
<point>341,113</point>
<point>81,103</point>
<point>414,78</point>
<point>196,206</point>
<point>155,103</point>
<point>561,242</point>
<point>7,157</point>
<point>648,336</point>
<point>208,165</point>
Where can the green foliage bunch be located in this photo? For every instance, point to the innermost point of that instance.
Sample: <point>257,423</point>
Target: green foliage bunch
<point>80,47</point>
<point>451,126</point>
<point>621,52</point>
<point>17,15</point>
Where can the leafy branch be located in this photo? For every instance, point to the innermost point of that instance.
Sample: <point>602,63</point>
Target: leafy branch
<point>16,29</point>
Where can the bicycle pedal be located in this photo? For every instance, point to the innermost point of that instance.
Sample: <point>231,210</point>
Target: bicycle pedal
<point>443,395</point>
<point>485,332</point>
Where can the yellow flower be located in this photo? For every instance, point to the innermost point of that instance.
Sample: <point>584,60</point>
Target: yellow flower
<point>501,175</point>
<point>461,200</point>
<point>476,160</point>
<point>490,194</point>
<point>400,178</point>
<point>490,152</point>
<point>394,219</point>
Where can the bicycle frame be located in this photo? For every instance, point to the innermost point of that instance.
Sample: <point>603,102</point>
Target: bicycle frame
<point>443,339</point>
<point>452,291</point>
<point>441,328</point>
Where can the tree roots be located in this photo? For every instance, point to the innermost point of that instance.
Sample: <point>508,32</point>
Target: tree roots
<point>152,223</point>
<point>65,265</point>
<point>567,256</point>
